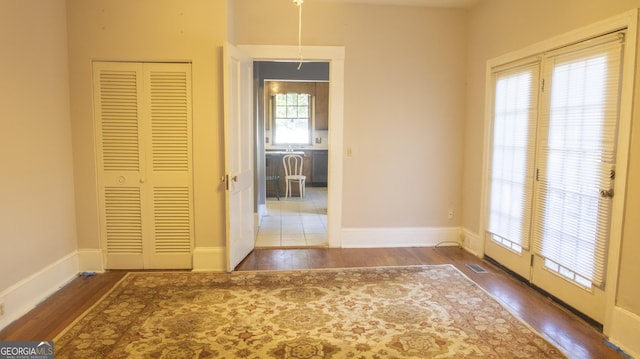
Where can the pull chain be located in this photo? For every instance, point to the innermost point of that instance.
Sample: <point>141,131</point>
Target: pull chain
<point>299,5</point>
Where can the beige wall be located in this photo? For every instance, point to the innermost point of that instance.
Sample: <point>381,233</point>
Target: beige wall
<point>37,214</point>
<point>497,27</point>
<point>151,30</point>
<point>404,102</point>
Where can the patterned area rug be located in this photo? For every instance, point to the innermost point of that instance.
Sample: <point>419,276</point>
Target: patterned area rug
<point>383,312</point>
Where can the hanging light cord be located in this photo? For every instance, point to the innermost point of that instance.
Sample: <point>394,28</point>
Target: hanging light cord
<point>299,5</point>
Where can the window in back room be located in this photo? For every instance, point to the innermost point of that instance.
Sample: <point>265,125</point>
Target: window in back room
<point>291,117</point>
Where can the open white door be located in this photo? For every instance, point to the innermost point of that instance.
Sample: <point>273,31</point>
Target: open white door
<point>239,143</point>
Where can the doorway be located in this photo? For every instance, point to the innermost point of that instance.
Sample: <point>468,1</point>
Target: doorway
<point>291,119</point>
<point>334,55</point>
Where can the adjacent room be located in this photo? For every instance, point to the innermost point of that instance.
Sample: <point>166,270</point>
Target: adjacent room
<point>152,143</point>
<point>292,120</point>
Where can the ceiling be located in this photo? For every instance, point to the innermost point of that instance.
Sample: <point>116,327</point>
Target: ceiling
<point>425,3</point>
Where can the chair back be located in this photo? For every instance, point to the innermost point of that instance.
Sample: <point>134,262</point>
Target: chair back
<point>292,165</point>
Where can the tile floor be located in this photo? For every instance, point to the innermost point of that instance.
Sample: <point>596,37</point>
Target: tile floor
<point>295,221</point>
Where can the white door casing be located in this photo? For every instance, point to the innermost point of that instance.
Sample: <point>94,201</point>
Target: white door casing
<point>335,55</point>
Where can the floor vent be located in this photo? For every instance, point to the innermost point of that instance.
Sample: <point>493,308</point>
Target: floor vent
<point>477,268</point>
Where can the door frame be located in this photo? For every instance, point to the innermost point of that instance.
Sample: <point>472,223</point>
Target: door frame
<point>334,55</point>
<point>628,20</point>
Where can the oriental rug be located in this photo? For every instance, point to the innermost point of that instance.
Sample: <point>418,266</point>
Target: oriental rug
<point>381,312</point>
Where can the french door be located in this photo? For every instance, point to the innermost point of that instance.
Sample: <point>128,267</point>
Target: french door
<point>552,168</point>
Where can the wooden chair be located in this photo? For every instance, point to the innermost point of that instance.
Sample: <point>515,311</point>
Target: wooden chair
<point>272,168</point>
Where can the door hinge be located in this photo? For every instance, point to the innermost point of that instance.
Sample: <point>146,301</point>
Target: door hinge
<point>537,174</point>
<point>531,262</point>
<point>542,85</point>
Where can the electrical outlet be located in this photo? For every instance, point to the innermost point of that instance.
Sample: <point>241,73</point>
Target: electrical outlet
<point>450,214</point>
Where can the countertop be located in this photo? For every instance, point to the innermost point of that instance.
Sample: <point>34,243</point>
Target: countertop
<point>280,152</point>
<point>296,149</point>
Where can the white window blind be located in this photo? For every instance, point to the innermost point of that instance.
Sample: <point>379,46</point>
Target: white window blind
<point>576,154</point>
<point>513,147</point>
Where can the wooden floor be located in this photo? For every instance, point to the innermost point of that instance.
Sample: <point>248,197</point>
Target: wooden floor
<point>572,334</point>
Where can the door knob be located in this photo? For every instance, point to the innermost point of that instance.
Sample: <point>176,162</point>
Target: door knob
<point>606,193</point>
<point>226,181</point>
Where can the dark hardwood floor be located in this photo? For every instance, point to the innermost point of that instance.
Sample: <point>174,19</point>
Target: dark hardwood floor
<point>572,334</point>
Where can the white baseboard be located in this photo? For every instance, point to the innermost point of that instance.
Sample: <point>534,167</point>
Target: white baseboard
<point>91,260</point>
<point>209,259</point>
<point>399,237</point>
<point>205,259</point>
<point>23,296</point>
<point>623,331</point>
<point>262,210</point>
<point>472,243</point>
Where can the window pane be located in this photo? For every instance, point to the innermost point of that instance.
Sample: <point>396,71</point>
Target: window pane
<point>292,120</point>
<point>292,111</point>
<point>303,100</point>
<point>571,178</point>
<point>577,154</point>
<point>303,111</point>
<point>510,183</point>
<point>292,131</point>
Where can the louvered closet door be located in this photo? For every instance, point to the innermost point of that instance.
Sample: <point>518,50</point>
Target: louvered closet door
<point>168,164</point>
<point>143,144</point>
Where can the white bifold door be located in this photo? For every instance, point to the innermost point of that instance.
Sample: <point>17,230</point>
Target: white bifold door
<point>143,142</point>
<point>552,168</point>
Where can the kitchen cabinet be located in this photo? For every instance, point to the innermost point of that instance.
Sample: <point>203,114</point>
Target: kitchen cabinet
<point>319,168</point>
<point>316,172</point>
<point>322,106</point>
<point>320,91</point>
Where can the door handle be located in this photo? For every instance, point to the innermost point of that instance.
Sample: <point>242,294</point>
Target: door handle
<point>227,181</point>
<point>606,193</point>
